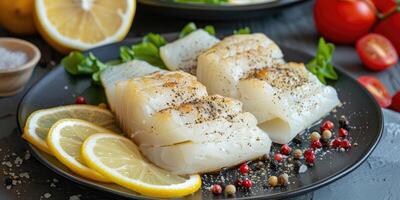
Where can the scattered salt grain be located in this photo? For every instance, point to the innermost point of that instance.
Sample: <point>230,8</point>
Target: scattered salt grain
<point>11,59</point>
<point>303,169</point>
<point>47,195</point>
<point>75,197</point>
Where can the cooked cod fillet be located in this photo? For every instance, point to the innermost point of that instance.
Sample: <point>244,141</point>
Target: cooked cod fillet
<point>188,158</point>
<point>285,98</point>
<point>221,67</point>
<point>180,128</point>
<point>111,75</point>
<point>182,54</point>
<point>139,98</point>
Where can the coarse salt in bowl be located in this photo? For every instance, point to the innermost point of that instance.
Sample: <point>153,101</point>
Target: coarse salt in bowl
<point>18,58</point>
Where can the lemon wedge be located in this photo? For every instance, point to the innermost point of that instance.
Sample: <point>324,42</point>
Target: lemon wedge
<point>39,122</point>
<point>119,159</point>
<point>65,140</point>
<point>83,24</point>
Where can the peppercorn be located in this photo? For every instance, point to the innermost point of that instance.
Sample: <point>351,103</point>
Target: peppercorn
<point>285,149</point>
<point>316,144</point>
<point>315,136</point>
<point>247,183</point>
<point>283,179</point>
<point>278,157</point>
<point>230,190</point>
<point>244,168</point>
<point>343,122</point>
<point>343,132</point>
<point>273,181</point>
<point>297,154</point>
<point>266,157</point>
<point>327,125</point>
<point>8,181</point>
<point>216,189</point>
<point>326,135</point>
<point>345,144</point>
<point>336,143</point>
<point>297,139</point>
<point>80,100</point>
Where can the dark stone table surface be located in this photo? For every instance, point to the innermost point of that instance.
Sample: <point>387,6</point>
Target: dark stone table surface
<point>377,178</point>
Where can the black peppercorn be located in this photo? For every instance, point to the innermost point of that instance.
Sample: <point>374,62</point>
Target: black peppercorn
<point>344,123</point>
<point>8,181</point>
<point>297,139</point>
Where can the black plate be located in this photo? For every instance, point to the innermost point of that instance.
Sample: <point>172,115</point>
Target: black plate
<point>59,88</point>
<point>214,12</point>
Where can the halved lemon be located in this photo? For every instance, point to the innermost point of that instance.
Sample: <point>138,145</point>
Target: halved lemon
<point>39,122</point>
<point>65,140</point>
<point>83,24</point>
<point>119,159</point>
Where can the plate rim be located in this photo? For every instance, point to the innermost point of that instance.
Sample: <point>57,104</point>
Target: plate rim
<point>224,8</point>
<point>318,184</point>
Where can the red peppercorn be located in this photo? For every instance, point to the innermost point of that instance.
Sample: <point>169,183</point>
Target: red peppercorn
<point>336,143</point>
<point>285,149</point>
<point>278,157</point>
<point>247,183</point>
<point>316,144</point>
<point>310,158</point>
<point>244,168</point>
<point>216,189</point>
<point>308,152</point>
<point>343,132</point>
<point>345,144</point>
<point>80,100</point>
<point>327,125</point>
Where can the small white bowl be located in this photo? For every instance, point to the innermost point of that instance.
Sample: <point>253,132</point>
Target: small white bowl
<point>13,80</point>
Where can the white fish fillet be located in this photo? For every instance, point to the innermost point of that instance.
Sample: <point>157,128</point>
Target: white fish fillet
<point>189,158</point>
<point>221,67</point>
<point>111,75</point>
<point>285,98</point>
<point>182,54</point>
<point>180,128</point>
<point>139,98</point>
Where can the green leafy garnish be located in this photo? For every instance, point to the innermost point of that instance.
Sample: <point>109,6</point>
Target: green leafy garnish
<point>191,27</point>
<point>210,30</point>
<point>76,63</point>
<point>155,39</point>
<point>321,66</point>
<point>245,30</point>
<point>147,50</point>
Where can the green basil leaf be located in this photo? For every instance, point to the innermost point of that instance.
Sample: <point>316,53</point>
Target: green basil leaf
<point>190,27</point>
<point>148,52</point>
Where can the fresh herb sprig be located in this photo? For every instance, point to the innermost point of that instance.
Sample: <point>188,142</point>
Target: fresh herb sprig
<point>321,66</point>
<point>191,27</point>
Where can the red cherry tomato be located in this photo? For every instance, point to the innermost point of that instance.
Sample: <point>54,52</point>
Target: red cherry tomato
<point>396,102</point>
<point>385,6</point>
<point>390,28</point>
<point>344,21</point>
<point>376,52</point>
<point>377,89</point>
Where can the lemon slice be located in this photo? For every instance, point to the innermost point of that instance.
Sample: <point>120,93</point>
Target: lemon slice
<point>83,24</point>
<point>39,122</point>
<point>119,159</point>
<point>65,140</point>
